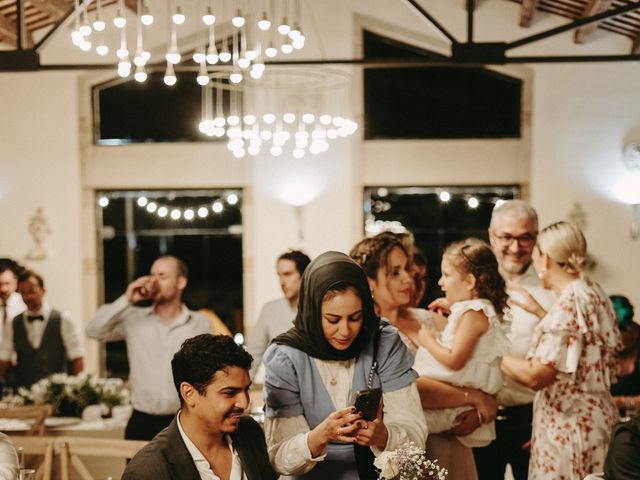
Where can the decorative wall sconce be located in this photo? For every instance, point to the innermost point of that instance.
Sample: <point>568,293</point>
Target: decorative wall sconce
<point>631,158</point>
<point>635,221</point>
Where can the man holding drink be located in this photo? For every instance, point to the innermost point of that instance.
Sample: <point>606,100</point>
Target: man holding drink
<point>153,334</point>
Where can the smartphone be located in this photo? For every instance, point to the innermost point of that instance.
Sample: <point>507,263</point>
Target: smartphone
<point>367,402</point>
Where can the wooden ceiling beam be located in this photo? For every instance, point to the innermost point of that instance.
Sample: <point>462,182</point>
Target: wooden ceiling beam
<point>8,29</point>
<point>594,7</point>
<point>526,12</point>
<point>131,5</point>
<point>54,8</point>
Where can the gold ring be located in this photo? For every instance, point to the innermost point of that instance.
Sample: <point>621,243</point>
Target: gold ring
<point>366,425</point>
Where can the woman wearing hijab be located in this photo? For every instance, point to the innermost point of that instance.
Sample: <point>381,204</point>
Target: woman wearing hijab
<point>313,369</point>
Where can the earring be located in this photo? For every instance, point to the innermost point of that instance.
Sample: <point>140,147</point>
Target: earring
<point>542,273</point>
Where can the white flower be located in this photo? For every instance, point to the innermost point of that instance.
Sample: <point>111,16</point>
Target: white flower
<point>386,463</point>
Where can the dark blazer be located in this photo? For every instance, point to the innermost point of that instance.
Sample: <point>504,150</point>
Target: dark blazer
<point>166,456</point>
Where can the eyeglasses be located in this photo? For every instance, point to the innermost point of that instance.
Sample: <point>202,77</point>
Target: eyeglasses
<point>525,240</point>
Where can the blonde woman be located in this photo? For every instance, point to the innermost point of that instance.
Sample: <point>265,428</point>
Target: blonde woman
<point>571,362</point>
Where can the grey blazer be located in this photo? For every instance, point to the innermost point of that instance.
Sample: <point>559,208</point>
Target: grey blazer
<point>166,456</point>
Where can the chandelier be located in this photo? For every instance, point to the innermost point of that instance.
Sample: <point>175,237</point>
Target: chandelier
<point>289,109</point>
<point>255,30</point>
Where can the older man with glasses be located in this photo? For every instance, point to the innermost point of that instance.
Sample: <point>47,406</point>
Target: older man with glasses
<point>512,234</point>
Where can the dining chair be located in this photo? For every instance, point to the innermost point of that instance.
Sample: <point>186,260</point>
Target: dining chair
<point>71,449</point>
<point>37,413</point>
<point>37,445</point>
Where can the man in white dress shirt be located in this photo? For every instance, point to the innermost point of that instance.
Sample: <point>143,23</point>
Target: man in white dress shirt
<point>209,438</point>
<point>43,339</point>
<point>153,334</point>
<point>512,234</point>
<point>277,316</point>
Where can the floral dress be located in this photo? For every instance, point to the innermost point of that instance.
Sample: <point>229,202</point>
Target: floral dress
<point>573,417</point>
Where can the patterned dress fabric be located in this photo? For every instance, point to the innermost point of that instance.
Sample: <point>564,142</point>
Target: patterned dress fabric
<point>573,417</point>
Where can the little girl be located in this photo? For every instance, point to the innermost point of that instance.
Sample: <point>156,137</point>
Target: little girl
<point>468,350</point>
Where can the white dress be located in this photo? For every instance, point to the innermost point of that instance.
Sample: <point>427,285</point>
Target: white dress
<point>482,370</point>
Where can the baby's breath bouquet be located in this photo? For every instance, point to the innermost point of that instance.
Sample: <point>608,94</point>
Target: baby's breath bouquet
<point>69,395</point>
<point>408,462</point>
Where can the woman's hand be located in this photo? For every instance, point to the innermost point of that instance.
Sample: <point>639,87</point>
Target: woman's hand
<point>340,426</point>
<point>372,433</point>
<point>527,302</point>
<point>485,404</point>
<point>466,423</point>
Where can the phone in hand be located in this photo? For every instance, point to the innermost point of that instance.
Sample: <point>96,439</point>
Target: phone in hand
<point>367,402</point>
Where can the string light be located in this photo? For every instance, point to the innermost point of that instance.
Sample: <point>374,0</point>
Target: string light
<point>175,213</point>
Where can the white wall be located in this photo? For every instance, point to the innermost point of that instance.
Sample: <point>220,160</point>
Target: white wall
<point>580,115</point>
<point>40,167</point>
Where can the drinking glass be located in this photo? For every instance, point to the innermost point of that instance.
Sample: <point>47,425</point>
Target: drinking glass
<point>27,474</point>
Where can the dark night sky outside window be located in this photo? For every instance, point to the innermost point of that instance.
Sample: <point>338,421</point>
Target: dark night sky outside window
<point>436,102</point>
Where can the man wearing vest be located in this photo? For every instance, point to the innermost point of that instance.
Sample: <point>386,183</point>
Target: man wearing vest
<point>44,339</point>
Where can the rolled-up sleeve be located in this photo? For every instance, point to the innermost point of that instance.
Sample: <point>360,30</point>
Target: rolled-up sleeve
<point>106,325</point>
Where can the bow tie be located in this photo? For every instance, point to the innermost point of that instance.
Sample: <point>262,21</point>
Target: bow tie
<point>35,317</point>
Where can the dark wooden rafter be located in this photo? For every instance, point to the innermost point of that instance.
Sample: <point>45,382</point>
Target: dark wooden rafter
<point>131,5</point>
<point>526,12</point>
<point>54,8</point>
<point>8,29</point>
<point>593,8</point>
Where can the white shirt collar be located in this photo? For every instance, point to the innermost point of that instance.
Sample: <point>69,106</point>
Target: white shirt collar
<point>202,464</point>
<point>45,311</point>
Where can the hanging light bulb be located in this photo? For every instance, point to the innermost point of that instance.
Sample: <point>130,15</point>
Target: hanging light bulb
<point>244,62</point>
<point>199,56</point>
<point>146,18</point>
<point>212,54</point>
<point>238,20</point>
<point>140,75</point>
<point>203,75</point>
<point>98,23</point>
<point>102,49</point>
<point>119,21</point>
<point>76,38</point>
<point>178,17</point>
<point>264,23</point>
<point>85,29</point>
<point>294,32</point>
<point>271,51</point>
<point>170,75</point>
<point>173,54</point>
<point>225,55</point>
<point>85,46</point>
<point>250,55</point>
<point>209,18</point>
<point>284,28</point>
<point>235,77</point>
<point>286,48</point>
<point>124,68</point>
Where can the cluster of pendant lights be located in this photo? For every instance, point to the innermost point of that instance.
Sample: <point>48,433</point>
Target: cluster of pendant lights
<point>295,112</point>
<point>275,30</point>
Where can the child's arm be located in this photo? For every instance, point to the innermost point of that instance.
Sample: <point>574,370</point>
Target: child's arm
<point>472,325</point>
